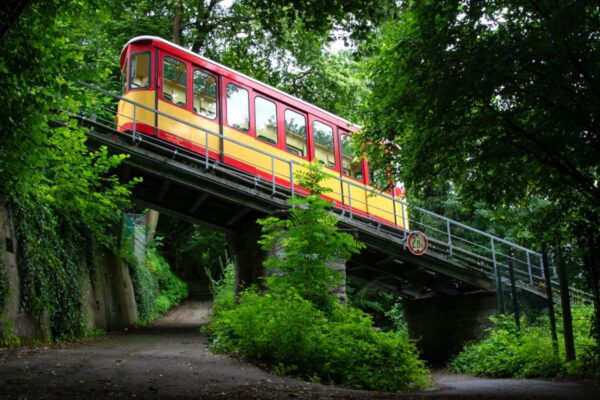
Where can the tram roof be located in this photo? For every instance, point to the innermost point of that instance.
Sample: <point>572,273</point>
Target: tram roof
<point>208,60</point>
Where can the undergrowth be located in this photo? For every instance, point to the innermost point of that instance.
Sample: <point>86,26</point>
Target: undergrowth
<point>298,326</point>
<point>528,353</point>
<point>157,289</point>
<point>295,338</point>
<point>52,257</point>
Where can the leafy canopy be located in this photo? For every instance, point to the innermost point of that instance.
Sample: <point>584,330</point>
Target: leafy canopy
<point>500,98</point>
<point>42,149</point>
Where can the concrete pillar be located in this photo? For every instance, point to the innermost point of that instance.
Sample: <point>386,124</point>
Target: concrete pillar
<point>248,259</point>
<point>340,290</point>
<point>151,221</point>
<point>443,324</point>
<point>109,298</point>
<point>247,256</point>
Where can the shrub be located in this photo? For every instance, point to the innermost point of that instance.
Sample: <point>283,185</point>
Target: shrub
<point>145,289</point>
<point>223,290</point>
<point>157,289</point>
<point>298,326</point>
<point>171,288</point>
<point>290,333</point>
<point>529,353</point>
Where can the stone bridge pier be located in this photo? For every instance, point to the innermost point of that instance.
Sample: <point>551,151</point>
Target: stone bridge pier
<point>442,325</point>
<point>248,258</point>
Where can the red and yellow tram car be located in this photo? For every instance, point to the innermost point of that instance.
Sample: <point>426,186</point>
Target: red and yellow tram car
<point>256,120</point>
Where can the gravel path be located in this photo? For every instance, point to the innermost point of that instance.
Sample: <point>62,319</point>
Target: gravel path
<point>169,359</point>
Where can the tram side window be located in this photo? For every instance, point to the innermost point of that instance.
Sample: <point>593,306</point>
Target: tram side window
<point>351,165</point>
<point>174,81</point>
<point>238,110</point>
<point>323,138</point>
<point>295,133</point>
<point>266,120</point>
<point>139,77</point>
<point>205,94</point>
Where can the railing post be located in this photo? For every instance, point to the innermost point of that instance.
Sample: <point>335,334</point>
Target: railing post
<point>499,290</point>
<point>394,203</point>
<point>544,273</point>
<point>349,200</point>
<point>449,238</point>
<point>292,182</point>
<point>513,288</point>
<point>273,175</point>
<point>206,151</point>
<point>403,221</point>
<point>134,134</point>
<point>529,268</point>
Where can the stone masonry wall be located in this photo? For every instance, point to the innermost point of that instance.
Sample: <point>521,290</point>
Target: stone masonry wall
<point>108,296</point>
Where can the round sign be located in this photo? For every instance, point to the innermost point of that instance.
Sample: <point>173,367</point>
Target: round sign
<point>417,243</point>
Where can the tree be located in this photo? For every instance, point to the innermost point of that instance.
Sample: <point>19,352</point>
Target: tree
<point>470,89</point>
<point>304,243</point>
<point>283,43</point>
<point>501,99</point>
<point>42,150</point>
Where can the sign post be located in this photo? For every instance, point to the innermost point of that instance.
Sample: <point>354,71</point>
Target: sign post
<point>417,243</point>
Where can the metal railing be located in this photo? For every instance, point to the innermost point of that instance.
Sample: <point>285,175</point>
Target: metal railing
<point>469,247</point>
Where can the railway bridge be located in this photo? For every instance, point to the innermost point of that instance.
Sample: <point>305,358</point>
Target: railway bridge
<point>451,288</point>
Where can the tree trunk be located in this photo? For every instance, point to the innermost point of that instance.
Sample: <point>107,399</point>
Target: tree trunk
<point>551,314</point>
<point>178,23</point>
<point>592,262</point>
<point>565,301</point>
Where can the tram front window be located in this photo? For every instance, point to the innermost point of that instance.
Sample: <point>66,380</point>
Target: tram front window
<point>139,77</point>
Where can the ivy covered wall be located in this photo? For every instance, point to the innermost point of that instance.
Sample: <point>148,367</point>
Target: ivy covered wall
<point>56,284</point>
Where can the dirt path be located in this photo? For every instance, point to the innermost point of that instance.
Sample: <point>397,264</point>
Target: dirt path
<point>170,359</point>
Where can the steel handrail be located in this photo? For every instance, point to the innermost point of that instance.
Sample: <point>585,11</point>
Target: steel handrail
<point>451,239</point>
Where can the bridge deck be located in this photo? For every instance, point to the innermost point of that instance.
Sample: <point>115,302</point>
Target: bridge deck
<point>187,185</point>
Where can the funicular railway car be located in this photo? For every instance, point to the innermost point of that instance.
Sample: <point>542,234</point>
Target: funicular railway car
<point>250,122</point>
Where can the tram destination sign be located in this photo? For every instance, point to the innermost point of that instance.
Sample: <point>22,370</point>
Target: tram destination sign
<point>417,243</point>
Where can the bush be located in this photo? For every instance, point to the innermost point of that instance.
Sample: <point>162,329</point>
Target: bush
<point>171,288</point>
<point>157,289</point>
<point>298,326</point>
<point>223,290</point>
<point>529,353</point>
<point>290,333</point>
<point>145,289</point>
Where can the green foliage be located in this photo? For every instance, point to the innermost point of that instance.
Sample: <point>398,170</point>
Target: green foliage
<point>506,353</point>
<point>93,333</point>
<point>41,148</point>
<point>298,326</point>
<point>289,332</point>
<point>384,307</point>
<point>528,353</point>
<point>157,289</point>
<point>223,291</point>
<point>8,337</point>
<point>529,122</point>
<point>145,289</point>
<point>171,289</point>
<point>305,243</point>
<point>192,250</point>
<point>52,258</point>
